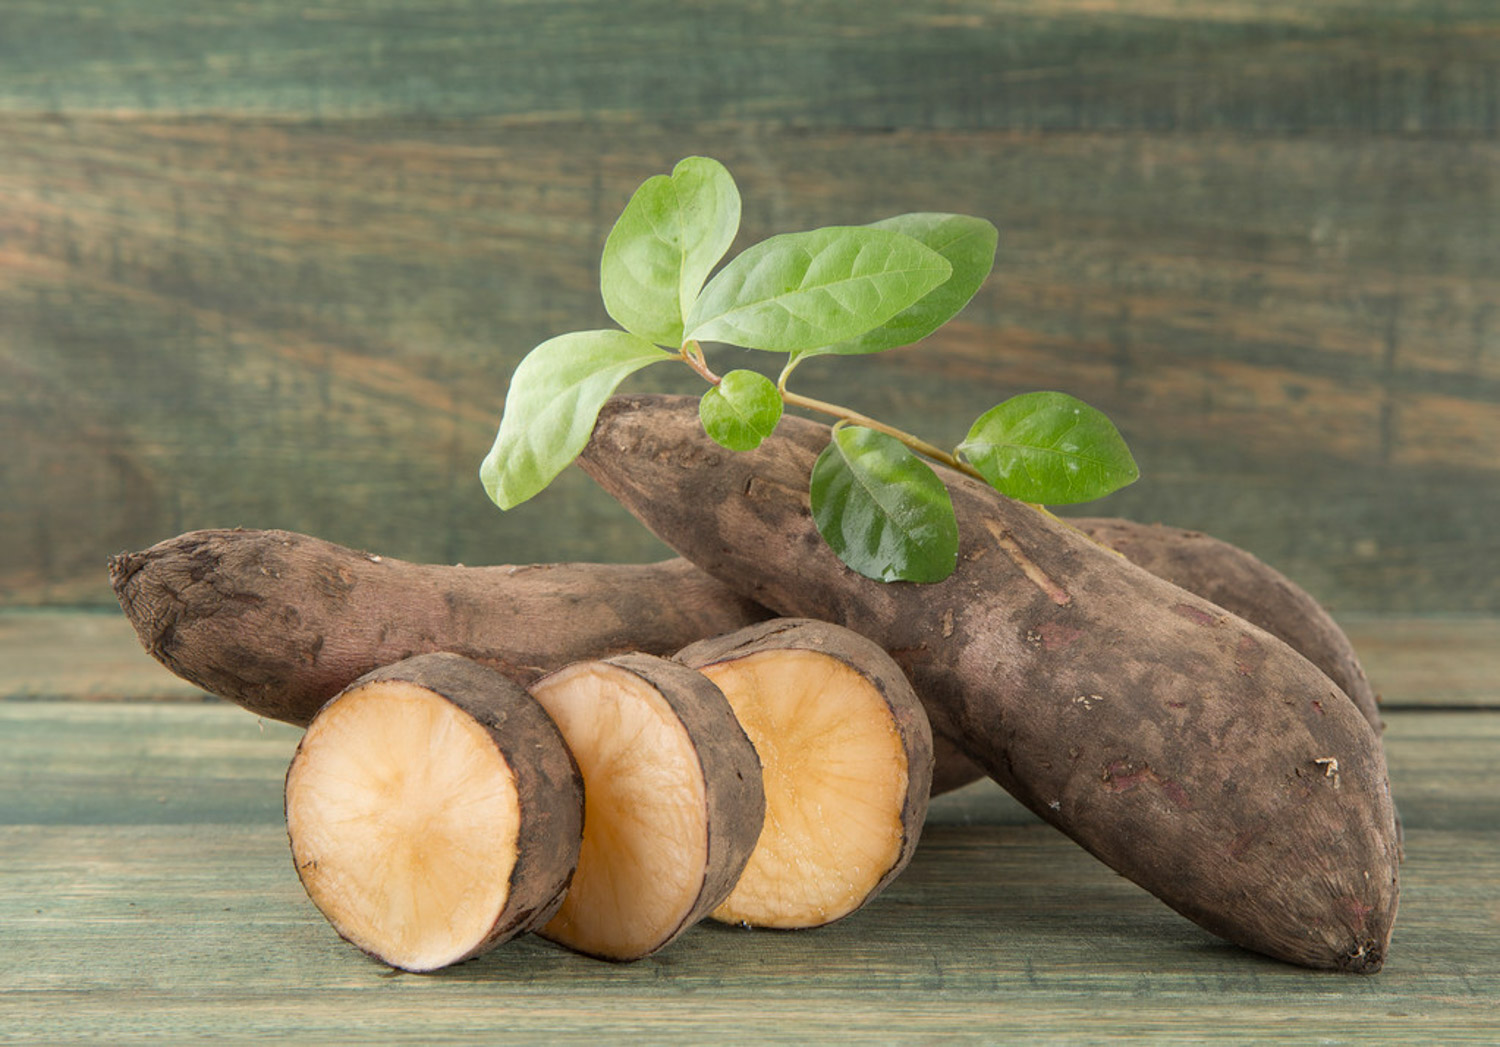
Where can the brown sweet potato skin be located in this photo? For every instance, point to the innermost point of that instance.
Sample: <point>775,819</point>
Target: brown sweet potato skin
<point>280,622</point>
<point>1237,581</point>
<point>1245,586</point>
<point>1191,751</point>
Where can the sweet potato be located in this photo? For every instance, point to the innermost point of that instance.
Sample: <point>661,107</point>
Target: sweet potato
<point>434,811</point>
<point>259,618</point>
<point>280,622</point>
<point>847,752</point>
<point>1191,751</point>
<point>1235,580</point>
<point>1245,586</point>
<point>673,801</point>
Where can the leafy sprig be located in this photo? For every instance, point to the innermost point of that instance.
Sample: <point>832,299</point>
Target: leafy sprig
<point>840,290</point>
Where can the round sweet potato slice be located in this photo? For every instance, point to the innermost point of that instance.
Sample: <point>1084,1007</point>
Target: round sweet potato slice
<point>847,753</point>
<point>673,801</point>
<point>434,811</point>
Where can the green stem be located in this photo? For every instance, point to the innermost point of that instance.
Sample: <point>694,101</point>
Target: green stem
<point>915,443</point>
<point>691,354</point>
<point>786,372</point>
<point>855,418</point>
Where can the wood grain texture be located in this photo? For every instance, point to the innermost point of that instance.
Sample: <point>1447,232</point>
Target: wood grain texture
<point>1376,66</point>
<point>81,655</point>
<point>1432,662</point>
<point>271,267</point>
<point>148,896</point>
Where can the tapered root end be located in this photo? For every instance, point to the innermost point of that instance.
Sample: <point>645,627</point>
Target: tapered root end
<point>121,567</point>
<point>150,603</point>
<point>1367,958</point>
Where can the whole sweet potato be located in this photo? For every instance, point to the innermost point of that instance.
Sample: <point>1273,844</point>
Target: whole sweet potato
<point>1245,586</point>
<point>1237,581</point>
<point>1188,749</point>
<point>279,622</point>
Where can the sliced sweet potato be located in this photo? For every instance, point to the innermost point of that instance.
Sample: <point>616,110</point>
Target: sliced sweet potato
<point>673,801</point>
<point>433,811</point>
<point>847,753</point>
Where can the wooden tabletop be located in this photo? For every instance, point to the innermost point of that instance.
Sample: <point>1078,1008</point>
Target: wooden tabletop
<point>146,893</point>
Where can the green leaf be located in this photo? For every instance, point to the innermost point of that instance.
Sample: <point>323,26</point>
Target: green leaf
<point>801,290</point>
<point>882,509</point>
<point>553,402</point>
<point>741,410</point>
<point>969,246</point>
<point>1049,448</point>
<point>671,234</point>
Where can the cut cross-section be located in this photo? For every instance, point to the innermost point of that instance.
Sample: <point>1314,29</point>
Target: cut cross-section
<point>847,756</point>
<point>672,801</point>
<point>433,811</point>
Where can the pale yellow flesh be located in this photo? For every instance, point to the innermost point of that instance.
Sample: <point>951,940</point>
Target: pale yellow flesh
<point>645,821</point>
<point>835,779</point>
<point>404,818</point>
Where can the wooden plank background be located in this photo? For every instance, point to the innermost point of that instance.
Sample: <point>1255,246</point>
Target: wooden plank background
<point>149,898</point>
<point>271,264</point>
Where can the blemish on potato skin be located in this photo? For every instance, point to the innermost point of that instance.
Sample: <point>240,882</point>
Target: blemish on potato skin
<point>334,581</point>
<point>1194,614</point>
<point>1029,567</point>
<point>1056,636</point>
<point>1176,793</point>
<point>1123,776</point>
<point>1249,656</point>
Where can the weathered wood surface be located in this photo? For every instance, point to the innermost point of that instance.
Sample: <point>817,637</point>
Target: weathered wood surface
<point>92,656</point>
<point>271,265</point>
<point>146,895</point>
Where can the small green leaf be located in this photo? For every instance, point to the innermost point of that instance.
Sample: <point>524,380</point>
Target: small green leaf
<point>553,402</point>
<point>741,410</point>
<point>882,509</point>
<point>1049,448</point>
<point>671,234</point>
<point>969,246</point>
<point>798,291</point>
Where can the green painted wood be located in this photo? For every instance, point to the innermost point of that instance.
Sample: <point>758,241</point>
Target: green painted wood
<point>80,655</point>
<point>1429,661</point>
<point>271,267</point>
<point>1374,66</point>
<point>163,927</point>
